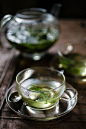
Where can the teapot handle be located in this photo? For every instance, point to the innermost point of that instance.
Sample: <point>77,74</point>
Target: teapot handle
<point>4,20</point>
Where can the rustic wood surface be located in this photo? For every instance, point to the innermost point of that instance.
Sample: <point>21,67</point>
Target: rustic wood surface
<point>11,62</point>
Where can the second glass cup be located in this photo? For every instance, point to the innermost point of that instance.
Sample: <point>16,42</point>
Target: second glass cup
<point>71,59</point>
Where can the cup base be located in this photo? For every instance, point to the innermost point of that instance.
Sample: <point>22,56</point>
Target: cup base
<point>35,56</point>
<point>42,113</point>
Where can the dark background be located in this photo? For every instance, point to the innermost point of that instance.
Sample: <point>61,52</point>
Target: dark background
<point>70,8</point>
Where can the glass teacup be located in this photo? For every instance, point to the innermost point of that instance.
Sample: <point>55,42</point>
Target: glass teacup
<point>40,87</point>
<point>73,60</point>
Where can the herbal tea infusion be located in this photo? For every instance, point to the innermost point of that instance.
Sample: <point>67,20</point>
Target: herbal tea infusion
<point>40,94</point>
<point>74,64</point>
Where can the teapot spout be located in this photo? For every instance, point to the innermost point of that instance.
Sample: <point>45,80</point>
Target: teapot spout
<point>55,10</point>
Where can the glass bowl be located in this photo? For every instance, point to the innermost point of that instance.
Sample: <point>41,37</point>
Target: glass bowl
<point>40,87</point>
<point>71,59</point>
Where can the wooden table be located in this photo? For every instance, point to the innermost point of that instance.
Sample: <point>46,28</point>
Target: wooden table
<point>11,62</point>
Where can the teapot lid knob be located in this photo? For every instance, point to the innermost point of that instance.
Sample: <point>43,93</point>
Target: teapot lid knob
<point>55,10</point>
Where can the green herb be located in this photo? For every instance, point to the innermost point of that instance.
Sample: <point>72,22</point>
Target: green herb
<point>35,39</point>
<point>44,96</point>
<point>36,88</point>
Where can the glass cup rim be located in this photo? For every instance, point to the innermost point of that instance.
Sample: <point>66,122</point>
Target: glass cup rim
<point>51,69</point>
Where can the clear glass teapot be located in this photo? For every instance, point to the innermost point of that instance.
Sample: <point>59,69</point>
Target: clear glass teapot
<point>32,31</point>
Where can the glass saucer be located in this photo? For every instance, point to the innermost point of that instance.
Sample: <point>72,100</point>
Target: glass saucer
<point>66,104</point>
